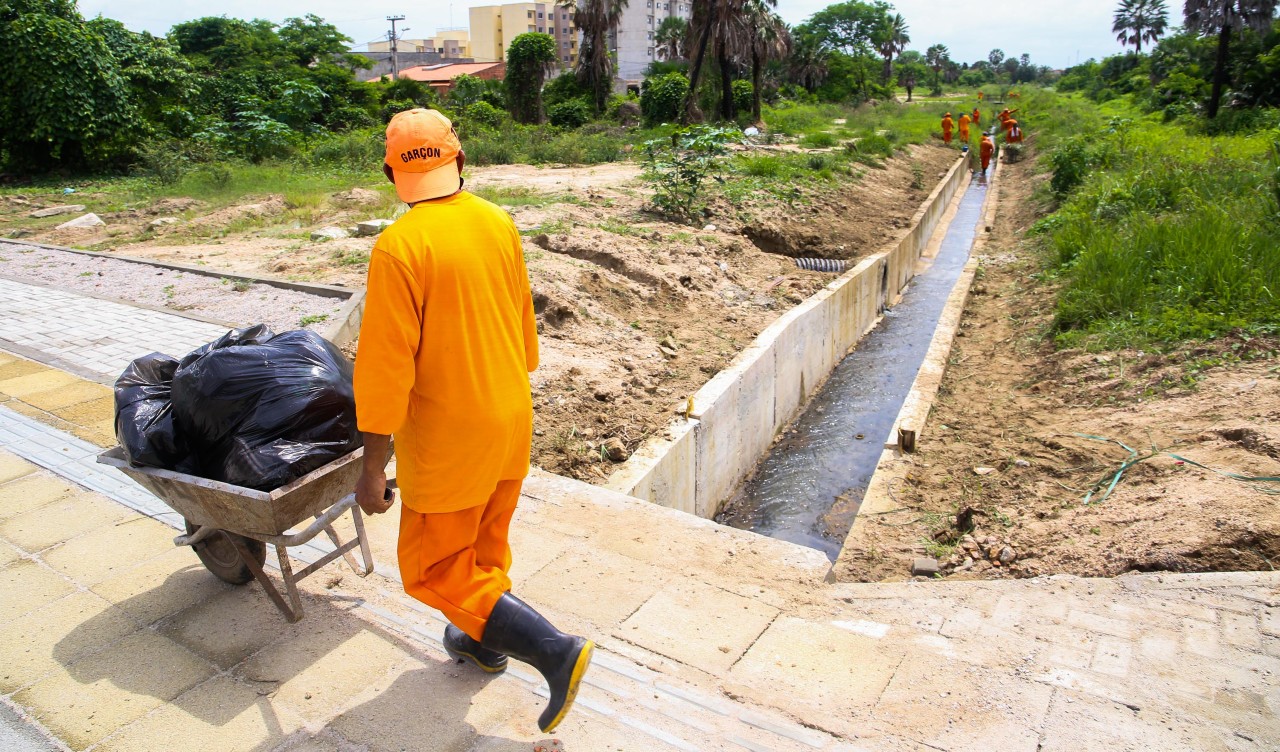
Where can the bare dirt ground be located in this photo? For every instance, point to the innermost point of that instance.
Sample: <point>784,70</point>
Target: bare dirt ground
<point>635,312</point>
<point>1002,470</point>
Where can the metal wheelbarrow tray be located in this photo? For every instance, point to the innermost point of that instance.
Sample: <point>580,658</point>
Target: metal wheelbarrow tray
<point>230,526</point>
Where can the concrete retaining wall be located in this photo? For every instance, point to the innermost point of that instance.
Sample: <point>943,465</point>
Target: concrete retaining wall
<point>700,460</point>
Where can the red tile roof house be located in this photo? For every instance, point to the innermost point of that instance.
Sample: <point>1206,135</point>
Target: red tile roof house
<point>440,77</point>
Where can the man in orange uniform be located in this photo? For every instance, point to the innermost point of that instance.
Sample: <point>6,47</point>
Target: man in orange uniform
<point>964,128</point>
<point>1013,134</point>
<point>977,117</point>
<point>985,150</point>
<point>947,125</point>
<point>446,346</point>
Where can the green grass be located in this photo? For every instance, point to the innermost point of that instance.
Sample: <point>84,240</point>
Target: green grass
<point>313,319</point>
<point>517,196</point>
<point>1169,236</point>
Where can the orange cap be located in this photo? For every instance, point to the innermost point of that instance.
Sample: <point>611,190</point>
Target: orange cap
<point>422,151</point>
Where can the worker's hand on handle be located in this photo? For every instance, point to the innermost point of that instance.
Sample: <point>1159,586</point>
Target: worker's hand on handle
<point>372,493</point>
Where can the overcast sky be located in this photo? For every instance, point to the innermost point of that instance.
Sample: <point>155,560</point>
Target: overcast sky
<point>1054,34</point>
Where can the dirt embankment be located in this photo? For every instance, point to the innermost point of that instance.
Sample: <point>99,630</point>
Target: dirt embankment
<point>1002,468</point>
<point>635,313</point>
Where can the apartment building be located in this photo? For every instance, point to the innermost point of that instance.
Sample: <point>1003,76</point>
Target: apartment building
<point>493,27</point>
<point>449,43</point>
<point>634,40</point>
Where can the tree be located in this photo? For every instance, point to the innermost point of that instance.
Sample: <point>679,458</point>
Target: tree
<point>995,57</point>
<point>807,63</point>
<point>1138,21</point>
<point>529,59</point>
<point>310,40</point>
<point>936,57</point>
<point>769,40</point>
<point>890,40</point>
<point>670,38</point>
<point>596,19</point>
<point>62,98</point>
<point>852,28</point>
<point>1223,18</point>
<point>720,28</point>
<point>909,74</point>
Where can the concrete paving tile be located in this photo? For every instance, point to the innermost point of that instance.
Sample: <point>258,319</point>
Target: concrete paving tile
<point>62,520</point>
<point>8,554</point>
<point>570,585</point>
<point>228,627</point>
<point>165,585</point>
<point>959,708</point>
<point>697,624</point>
<point>1241,631</point>
<point>58,634</point>
<point>95,696</point>
<point>88,413</point>
<point>12,466</point>
<point>26,585</point>
<point>1082,722</point>
<point>326,741</point>
<point>32,492</point>
<point>317,667</point>
<point>222,714</point>
<point>100,433</point>
<point>465,707</point>
<point>533,549</point>
<point>832,671</point>
<point>106,552</point>
<point>34,383</point>
<point>17,368</point>
<point>65,396</point>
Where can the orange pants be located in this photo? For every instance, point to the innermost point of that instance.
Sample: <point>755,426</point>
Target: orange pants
<point>946,137</point>
<point>457,562</point>
<point>964,134</point>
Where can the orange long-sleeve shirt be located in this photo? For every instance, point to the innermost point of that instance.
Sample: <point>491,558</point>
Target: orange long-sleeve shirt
<point>447,343</point>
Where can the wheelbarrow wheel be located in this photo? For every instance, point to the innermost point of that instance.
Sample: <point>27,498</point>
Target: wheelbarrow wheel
<point>221,558</point>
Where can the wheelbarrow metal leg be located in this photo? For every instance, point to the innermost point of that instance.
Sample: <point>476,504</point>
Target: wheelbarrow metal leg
<point>266,583</point>
<point>364,543</point>
<point>337,543</point>
<point>290,582</point>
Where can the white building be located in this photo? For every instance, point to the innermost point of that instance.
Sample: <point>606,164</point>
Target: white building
<point>634,40</point>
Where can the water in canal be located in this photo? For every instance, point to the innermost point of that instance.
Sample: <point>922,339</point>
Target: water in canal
<point>807,490</point>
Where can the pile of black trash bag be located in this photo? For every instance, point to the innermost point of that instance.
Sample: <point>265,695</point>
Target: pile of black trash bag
<point>253,408</point>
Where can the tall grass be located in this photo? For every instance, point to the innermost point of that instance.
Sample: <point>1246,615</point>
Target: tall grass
<point>1170,236</point>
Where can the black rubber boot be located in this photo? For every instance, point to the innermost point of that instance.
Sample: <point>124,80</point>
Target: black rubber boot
<point>461,647</point>
<point>515,629</point>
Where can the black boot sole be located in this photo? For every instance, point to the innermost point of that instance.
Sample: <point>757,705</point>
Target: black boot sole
<point>463,657</point>
<point>575,678</point>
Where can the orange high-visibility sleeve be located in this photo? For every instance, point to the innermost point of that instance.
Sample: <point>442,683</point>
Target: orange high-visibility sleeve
<point>389,336</point>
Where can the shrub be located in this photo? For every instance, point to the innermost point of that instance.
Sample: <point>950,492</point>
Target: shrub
<point>820,140</point>
<point>573,113</point>
<point>483,114</point>
<point>356,151</point>
<point>564,88</point>
<point>678,167</point>
<point>1070,163</point>
<point>743,95</point>
<point>661,97</point>
<point>348,118</point>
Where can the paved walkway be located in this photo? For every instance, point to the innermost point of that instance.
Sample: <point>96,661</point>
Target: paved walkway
<point>88,336</point>
<point>711,638</point>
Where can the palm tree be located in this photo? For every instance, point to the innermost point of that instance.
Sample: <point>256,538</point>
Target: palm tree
<point>893,39</point>
<point>807,63</point>
<point>719,26</point>
<point>769,39</point>
<point>1139,21</point>
<point>595,19</point>
<point>937,58</point>
<point>1223,18</point>
<point>670,37</point>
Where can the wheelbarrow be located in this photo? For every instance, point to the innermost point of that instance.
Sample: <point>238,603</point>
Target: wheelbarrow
<point>230,526</point>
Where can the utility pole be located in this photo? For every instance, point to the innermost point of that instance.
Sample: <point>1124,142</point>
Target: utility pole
<point>394,38</point>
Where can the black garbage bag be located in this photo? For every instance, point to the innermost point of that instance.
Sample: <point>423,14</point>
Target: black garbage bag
<point>144,414</point>
<point>260,411</point>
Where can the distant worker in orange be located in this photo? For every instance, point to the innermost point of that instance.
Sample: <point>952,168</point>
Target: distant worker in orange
<point>446,347</point>
<point>977,116</point>
<point>964,128</point>
<point>980,96</point>
<point>947,125</point>
<point>985,150</point>
<point>1014,134</point>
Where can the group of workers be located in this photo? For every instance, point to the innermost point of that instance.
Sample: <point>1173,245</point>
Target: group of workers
<point>1008,126</point>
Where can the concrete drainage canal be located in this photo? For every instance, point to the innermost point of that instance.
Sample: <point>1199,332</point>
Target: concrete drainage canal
<point>809,486</point>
